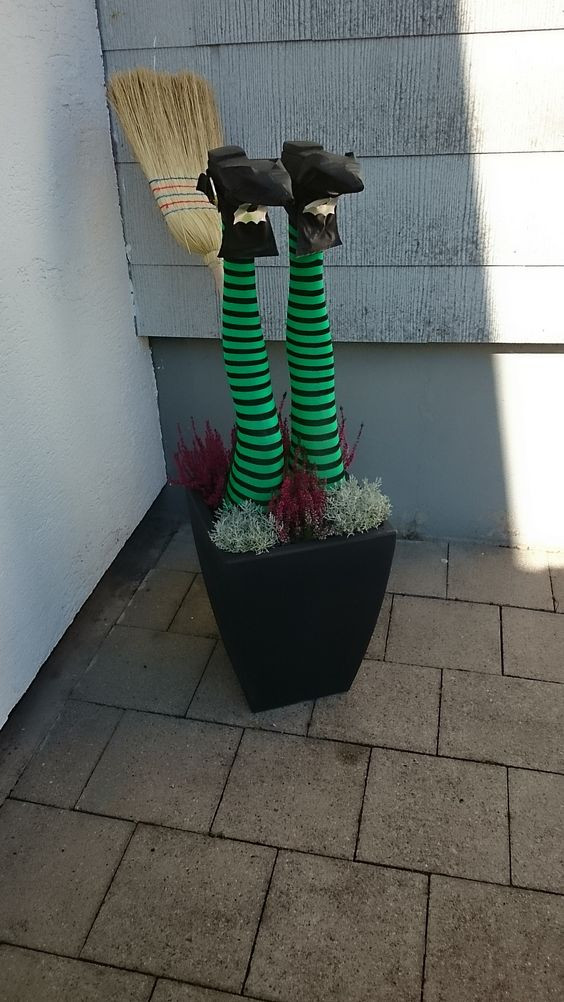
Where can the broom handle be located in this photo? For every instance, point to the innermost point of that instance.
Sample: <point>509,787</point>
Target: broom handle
<point>215,264</point>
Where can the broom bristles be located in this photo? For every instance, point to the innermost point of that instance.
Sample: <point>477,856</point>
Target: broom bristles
<point>170,122</point>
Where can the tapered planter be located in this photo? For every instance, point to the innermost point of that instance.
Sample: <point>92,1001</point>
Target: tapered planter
<point>295,621</point>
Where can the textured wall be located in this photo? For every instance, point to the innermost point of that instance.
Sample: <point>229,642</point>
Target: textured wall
<point>453,257</point>
<point>457,110</point>
<point>80,449</point>
<point>467,440</point>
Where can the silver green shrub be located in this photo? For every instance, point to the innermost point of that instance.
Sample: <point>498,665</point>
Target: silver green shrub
<point>244,529</point>
<point>356,506</point>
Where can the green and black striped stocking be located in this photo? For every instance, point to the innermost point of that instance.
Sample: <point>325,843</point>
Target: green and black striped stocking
<point>258,461</point>
<point>311,365</point>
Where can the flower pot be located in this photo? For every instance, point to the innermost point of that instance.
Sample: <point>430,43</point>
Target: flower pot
<point>295,621</point>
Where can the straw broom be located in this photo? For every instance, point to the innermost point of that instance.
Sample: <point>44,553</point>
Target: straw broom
<point>171,121</point>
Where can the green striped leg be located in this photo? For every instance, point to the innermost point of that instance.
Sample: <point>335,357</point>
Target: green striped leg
<point>311,365</point>
<point>257,465</point>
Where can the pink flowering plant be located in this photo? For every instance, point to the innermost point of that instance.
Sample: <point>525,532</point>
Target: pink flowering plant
<point>303,508</point>
<point>298,509</point>
<point>204,465</point>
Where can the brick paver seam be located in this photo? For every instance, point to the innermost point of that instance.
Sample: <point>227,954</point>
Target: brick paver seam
<point>137,626</point>
<point>197,574</point>
<point>165,542</point>
<point>359,822</point>
<point>469,601</point>
<point>161,713</point>
<point>130,970</point>
<point>501,647</point>
<point>470,671</point>
<point>282,848</point>
<point>204,669</point>
<point>439,715</point>
<point>235,754</point>
<point>553,593</point>
<point>509,828</point>
<point>313,705</point>
<point>342,741</point>
<point>259,923</point>
<point>424,963</point>
<point>110,882</point>
<point>388,626</point>
<point>184,597</point>
<point>53,724</point>
<point>106,743</point>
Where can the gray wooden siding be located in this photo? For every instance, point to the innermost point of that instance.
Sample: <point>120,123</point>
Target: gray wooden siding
<point>456,305</point>
<point>127,24</point>
<point>459,210</point>
<point>456,108</point>
<point>383,97</point>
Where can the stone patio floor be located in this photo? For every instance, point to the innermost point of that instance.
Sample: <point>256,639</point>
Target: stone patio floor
<point>400,843</point>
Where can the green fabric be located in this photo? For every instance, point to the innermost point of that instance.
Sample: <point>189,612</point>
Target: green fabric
<point>309,350</point>
<point>257,465</point>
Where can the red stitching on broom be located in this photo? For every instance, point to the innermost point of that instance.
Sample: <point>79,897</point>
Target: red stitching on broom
<point>184,201</point>
<point>163,187</point>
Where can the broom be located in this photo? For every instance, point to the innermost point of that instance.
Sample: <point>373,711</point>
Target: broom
<point>171,121</point>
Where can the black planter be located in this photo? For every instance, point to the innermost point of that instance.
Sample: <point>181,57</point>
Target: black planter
<point>295,621</point>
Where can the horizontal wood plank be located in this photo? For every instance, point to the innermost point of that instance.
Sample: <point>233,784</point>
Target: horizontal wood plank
<point>488,209</point>
<point>257,21</point>
<point>132,24</point>
<point>418,305</point>
<point>389,97</point>
<point>127,24</point>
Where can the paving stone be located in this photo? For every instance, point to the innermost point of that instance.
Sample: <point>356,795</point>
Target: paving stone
<point>157,599</point>
<point>180,554</point>
<point>510,720</point>
<point>61,766</point>
<point>220,697</point>
<point>146,670</point>
<point>40,706</point>
<point>392,705</point>
<point>184,906</point>
<point>377,646</point>
<point>336,931</point>
<point>536,804</point>
<point>195,615</point>
<point>294,792</point>
<point>499,574</point>
<point>162,770</point>
<point>419,568</point>
<point>533,644</point>
<point>428,813</point>
<point>26,976</point>
<point>428,631</point>
<point>557,577</point>
<point>174,991</point>
<point>493,944</point>
<point>55,867</point>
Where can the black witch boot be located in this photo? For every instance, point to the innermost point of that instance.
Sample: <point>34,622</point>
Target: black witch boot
<point>318,178</point>
<point>242,190</point>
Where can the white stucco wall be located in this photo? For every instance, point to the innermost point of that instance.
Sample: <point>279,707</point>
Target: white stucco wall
<point>80,449</point>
